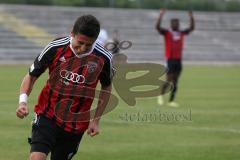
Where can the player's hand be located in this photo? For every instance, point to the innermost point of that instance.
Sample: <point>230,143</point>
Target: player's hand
<point>93,128</point>
<point>22,110</point>
<point>162,12</point>
<point>190,13</point>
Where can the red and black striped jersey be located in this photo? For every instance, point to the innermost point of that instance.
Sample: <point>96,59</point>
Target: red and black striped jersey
<point>174,41</point>
<point>69,91</point>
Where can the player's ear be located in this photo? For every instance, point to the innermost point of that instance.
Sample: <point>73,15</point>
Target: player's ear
<point>72,34</point>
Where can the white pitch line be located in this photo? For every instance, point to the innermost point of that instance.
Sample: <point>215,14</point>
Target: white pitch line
<point>208,129</point>
<point>230,130</point>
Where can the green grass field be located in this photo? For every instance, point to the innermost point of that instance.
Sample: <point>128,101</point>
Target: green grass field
<point>213,133</point>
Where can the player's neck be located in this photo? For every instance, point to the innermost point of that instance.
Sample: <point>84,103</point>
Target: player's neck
<point>80,55</point>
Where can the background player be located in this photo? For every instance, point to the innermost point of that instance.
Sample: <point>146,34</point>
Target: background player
<point>174,40</point>
<point>102,37</point>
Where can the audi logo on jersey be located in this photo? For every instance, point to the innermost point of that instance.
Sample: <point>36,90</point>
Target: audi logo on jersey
<point>72,77</point>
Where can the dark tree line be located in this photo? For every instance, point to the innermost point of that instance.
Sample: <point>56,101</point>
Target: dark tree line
<point>204,5</point>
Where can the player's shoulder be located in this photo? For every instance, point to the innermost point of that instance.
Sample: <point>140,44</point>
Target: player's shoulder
<point>57,43</point>
<point>60,41</point>
<point>53,46</point>
<point>102,51</point>
<point>167,31</point>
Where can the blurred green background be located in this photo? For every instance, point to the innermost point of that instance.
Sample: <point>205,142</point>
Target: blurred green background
<point>203,5</point>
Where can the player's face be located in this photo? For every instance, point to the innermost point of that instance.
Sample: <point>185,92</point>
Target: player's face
<point>81,43</point>
<point>175,24</point>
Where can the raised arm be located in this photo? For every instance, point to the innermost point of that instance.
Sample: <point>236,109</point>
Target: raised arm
<point>192,23</point>
<point>159,22</point>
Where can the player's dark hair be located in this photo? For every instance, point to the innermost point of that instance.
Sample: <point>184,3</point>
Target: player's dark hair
<point>87,25</point>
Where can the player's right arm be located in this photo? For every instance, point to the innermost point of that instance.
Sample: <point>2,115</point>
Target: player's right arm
<point>158,25</point>
<point>25,90</point>
<point>40,64</point>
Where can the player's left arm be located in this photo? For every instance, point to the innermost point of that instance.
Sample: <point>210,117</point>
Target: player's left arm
<point>105,78</point>
<point>192,23</point>
<point>104,96</point>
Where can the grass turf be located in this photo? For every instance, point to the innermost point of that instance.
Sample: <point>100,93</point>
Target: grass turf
<point>211,93</point>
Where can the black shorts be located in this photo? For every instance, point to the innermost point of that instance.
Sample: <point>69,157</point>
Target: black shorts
<point>174,66</point>
<point>48,137</point>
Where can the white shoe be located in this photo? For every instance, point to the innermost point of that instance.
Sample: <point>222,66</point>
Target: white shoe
<point>173,104</point>
<point>160,100</point>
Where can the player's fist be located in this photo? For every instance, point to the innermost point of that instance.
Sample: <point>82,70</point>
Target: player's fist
<point>93,128</point>
<point>190,13</point>
<point>22,110</point>
<point>162,11</point>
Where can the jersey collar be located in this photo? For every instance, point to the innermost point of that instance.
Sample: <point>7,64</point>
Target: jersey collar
<point>82,55</point>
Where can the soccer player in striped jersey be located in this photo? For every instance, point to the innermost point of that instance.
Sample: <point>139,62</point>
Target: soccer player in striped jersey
<point>174,39</point>
<point>76,64</point>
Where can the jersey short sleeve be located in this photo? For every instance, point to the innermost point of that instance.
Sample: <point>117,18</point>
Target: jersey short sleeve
<point>107,73</point>
<point>42,61</point>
